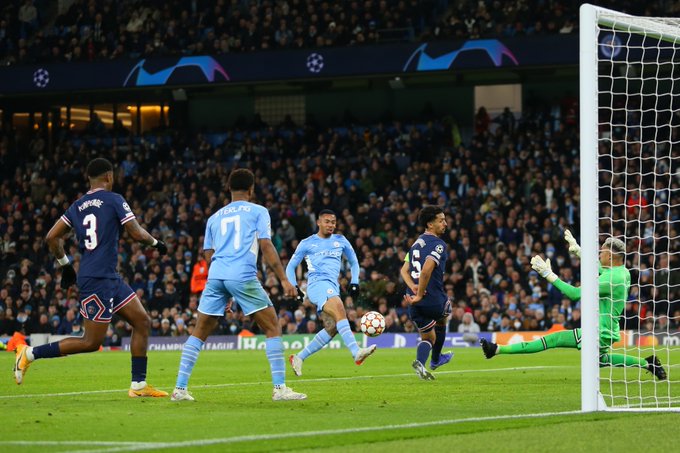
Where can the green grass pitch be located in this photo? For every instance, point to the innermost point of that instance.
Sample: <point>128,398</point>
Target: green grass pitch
<point>511,403</point>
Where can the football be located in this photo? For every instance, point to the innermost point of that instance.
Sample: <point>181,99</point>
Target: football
<point>372,324</point>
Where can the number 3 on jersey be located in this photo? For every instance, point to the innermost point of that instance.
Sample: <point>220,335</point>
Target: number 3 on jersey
<point>236,220</point>
<point>415,274</point>
<point>90,224</point>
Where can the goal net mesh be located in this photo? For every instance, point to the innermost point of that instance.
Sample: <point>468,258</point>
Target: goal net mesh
<point>639,197</point>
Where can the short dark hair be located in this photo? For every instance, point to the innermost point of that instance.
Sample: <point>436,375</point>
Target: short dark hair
<point>98,167</point>
<point>326,212</point>
<point>241,180</point>
<point>428,213</point>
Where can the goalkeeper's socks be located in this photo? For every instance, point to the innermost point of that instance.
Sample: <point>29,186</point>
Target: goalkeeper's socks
<point>186,364</point>
<point>347,336</point>
<point>621,360</point>
<point>440,331</point>
<point>45,351</point>
<point>139,369</point>
<point>423,351</point>
<point>274,349</point>
<point>320,340</point>
<point>563,339</point>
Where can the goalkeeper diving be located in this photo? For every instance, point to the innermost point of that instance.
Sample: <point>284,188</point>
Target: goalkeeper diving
<point>614,283</point>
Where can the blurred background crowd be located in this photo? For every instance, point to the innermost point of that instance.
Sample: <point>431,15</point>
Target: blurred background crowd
<point>39,31</point>
<point>509,187</point>
<point>508,194</point>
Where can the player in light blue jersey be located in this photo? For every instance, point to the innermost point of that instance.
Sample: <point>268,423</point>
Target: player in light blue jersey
<point>323,254</point>
<point>233,238</point>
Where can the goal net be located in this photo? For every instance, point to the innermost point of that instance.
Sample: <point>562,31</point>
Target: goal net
<point>630,190</point>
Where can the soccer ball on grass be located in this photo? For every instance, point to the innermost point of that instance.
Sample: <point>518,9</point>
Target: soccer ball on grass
<point>372,324</point>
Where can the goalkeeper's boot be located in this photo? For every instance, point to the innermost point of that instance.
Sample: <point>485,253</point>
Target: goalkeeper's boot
<point>3,346</point>
<point>21,363</point>
<point>421,371</point>
<point>443,360</point>
<point>283,393</point>
<point>296,364</point>
<point>654,366</point>
<point>180,394</point>
<point>488,348</point>
<point>363,354</point>
<point>146,392</point>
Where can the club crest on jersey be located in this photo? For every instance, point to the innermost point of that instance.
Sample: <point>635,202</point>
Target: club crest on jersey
<point>439,248</point>
<point>336,244</point>
<point>329,291</point>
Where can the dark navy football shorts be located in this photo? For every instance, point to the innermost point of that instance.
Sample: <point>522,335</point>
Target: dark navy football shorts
<point>426,316</point>
<point>101,297</point>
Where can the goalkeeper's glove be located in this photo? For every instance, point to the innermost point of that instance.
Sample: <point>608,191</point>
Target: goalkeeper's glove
<point>574,248</point>
<point>354,290</point>
<point>160,246</point>
<point>300,295</point>
<point>543,268</point>
<point>68,276</point>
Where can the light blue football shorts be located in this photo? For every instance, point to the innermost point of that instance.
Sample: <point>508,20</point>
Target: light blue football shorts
<point>250,296</point>
<point>320,291</point>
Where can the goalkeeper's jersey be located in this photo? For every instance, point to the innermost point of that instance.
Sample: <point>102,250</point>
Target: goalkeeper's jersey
<point>614,283</point>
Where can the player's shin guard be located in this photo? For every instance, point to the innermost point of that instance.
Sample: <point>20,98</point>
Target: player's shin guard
<point>423,351</point>
<point>186,364</point>
<point>320,340</point>
<point>347,336</point>
<point>277,364</point>
<point>440,331</point>
<point>564,339</point>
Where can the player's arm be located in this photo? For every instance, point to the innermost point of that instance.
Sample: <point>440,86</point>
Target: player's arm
<point>544,269</point>
<point>139,234</point>
<point>294,262</point>
<point>354,269</point>
<point>271,258</point>
<point>423,280</point>
<point>55,243</point>
<point>208,254</point>
<point>406,275</point>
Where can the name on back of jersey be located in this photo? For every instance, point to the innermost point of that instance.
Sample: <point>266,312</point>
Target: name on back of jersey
<point>96,202</point>
<point>233,209</point>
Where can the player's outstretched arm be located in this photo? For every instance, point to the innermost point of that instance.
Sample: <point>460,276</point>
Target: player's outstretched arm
<point>574,248</point>
<point>545,270</point>
<point>55,243</point>
<point>271,258</point>
<point>139,234</point>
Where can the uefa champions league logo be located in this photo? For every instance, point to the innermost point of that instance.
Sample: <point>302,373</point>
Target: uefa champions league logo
<point>610,45</point>
<point>315,63</point>
<point>41,78</point>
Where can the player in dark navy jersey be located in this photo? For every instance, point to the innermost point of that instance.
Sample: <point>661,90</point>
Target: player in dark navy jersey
<point>97,218</point>
<point>429,306</point>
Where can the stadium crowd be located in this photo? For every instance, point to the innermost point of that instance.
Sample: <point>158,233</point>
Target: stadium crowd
<point>509,193</point>
<point>35,31</point>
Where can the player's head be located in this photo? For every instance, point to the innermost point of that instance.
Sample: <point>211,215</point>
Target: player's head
<point>100,173</point>
<point>242,180</point>
<point>612,252</point>
<point>433,219</point>
<point>326,222</point>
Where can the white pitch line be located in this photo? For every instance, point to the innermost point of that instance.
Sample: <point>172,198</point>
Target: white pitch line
<point>241,384</point>
<point>325,432</point>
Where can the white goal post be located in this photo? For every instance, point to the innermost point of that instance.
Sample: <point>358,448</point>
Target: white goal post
<point>630,189</point>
